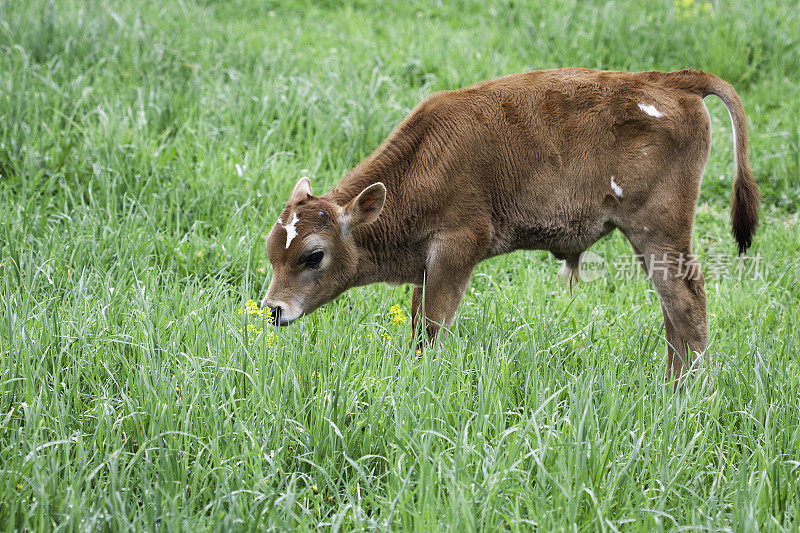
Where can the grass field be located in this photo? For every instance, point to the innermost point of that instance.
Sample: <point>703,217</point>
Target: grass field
<point>147,148</point>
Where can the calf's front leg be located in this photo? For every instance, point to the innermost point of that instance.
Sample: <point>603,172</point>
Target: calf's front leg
<point>447,275</point>
<point>438,303</point>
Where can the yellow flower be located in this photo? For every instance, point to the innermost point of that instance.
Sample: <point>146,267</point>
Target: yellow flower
<point>271,340</point>
<point>255,326</point>
<point>251,308</point>
<point>687,9</point>
<point>398,315</point>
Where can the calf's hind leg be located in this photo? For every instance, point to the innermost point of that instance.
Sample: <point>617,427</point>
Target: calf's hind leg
<point>677,279</point>
<point>673,340</point>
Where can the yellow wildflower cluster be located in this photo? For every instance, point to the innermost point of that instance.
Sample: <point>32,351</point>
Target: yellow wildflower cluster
<point>257,318</point>
<point>271,340</point>
<point>687,9</point>
<point>251,309</point>
<point>398,315</point>
<point>253,331</point>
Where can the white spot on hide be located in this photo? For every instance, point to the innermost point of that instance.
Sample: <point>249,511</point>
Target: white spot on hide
<point>616,188</point>
<point>651,110</point>
<point>291,230</point>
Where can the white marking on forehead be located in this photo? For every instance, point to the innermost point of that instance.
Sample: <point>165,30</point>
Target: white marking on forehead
<point>651,110</point>
<point>291,230</point>
<point>616,188</point>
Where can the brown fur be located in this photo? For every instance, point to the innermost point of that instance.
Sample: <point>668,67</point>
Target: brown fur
<point>526,161</point>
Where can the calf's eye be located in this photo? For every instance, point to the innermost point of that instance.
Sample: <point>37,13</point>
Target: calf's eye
<point>314,258</point>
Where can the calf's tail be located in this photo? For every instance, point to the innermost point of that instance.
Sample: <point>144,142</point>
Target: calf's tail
<point>746,196</point>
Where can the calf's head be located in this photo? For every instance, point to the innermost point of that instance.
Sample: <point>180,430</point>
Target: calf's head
<point>313,255</point>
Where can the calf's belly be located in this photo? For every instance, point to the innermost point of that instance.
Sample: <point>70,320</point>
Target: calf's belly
<point>563,236</point>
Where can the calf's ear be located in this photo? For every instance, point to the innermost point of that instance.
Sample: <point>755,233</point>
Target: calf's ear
<point>301,191</point>
<point>364,208</point>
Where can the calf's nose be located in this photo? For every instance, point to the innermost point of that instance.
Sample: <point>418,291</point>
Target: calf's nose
<point>276,312</point>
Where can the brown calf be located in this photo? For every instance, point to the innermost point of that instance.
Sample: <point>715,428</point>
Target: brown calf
<point>549,160</point>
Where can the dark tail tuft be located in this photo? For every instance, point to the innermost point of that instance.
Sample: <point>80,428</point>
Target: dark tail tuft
<point>744,209</point>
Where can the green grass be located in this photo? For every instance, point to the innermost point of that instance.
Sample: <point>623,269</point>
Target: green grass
<point>131,398</point>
